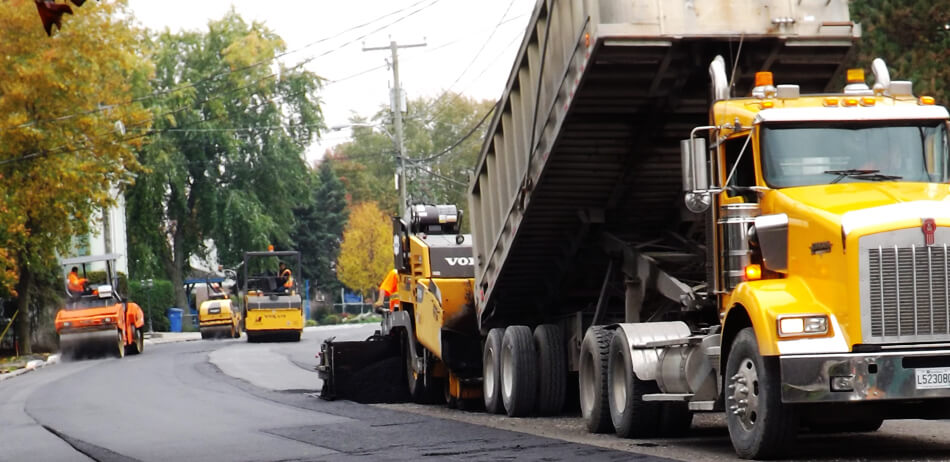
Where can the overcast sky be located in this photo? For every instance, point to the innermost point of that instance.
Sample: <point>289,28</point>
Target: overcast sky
<point>470,45</point>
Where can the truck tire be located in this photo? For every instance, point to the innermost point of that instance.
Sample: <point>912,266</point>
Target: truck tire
<point>491,371</point>
<point>552,369</point>
<point>592,380</point>
<point>519,371</point>
<point>415,381</point>
<point>760,426</point>
<point>632,417</point>
<point>138,346</point>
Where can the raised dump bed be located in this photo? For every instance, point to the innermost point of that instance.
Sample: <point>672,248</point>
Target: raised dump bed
<point>586,138</point>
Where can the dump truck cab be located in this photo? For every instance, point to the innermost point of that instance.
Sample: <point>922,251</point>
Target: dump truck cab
<point>829,216</point>
<point>273,306</point>
<point>218,316</point>
<point>96,319</point>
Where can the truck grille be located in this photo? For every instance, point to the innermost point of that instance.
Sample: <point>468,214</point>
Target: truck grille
<point>905,294</point>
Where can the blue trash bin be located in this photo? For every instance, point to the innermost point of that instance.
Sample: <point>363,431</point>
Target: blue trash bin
<point>174,319</point>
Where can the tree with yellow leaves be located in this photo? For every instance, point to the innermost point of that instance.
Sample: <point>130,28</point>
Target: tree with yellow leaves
<point>69,125</point>
<point>366,253</point>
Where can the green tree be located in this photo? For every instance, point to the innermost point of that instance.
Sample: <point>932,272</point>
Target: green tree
<point>912,36</point>
<point>63,103</point>
<point>442,139</point>
<point>226,163</point>
<point>319,228</point>
<point>366,253</point>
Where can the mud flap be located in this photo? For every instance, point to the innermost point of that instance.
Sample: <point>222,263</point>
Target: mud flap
<point>369,371</point>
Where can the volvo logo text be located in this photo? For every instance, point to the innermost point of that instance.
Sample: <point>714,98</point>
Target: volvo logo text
<point>460,261</point>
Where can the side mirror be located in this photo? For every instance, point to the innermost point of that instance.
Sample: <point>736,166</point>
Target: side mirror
<point>695,174</point>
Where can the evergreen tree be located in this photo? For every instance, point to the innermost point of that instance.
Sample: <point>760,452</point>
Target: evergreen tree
<point>319,228</point>
<point>912,36</point>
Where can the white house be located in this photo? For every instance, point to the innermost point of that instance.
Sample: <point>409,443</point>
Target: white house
<point>109,236</point>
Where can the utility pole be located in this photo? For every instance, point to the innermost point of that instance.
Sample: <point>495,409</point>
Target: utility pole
<point>397,107</point>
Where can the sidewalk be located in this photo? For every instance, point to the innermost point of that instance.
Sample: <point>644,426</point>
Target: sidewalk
<point>156,338</point>
<point>24,365</point>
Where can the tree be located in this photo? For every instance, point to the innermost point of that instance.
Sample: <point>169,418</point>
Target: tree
<point>319,227</point>
<point>912,36</point>
<point>440,156</point>
<point>367,252</point>
<point>226,162</point>
<point>63,104</point>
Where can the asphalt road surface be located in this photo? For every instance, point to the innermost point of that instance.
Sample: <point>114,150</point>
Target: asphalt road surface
<point>178,402</point>
<point>230,400</point>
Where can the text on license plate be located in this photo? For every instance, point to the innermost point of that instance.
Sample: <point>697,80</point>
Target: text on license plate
<point>937,377</point>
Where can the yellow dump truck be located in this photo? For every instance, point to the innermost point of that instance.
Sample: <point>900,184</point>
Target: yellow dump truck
<point>273,305</point>
<point>431,331</point>
<point>695,207</point>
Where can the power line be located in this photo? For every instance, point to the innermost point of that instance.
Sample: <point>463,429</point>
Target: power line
<point>460,140</point>
<point>184,86</point>
<point>437,175</point>
<point>477,54</point>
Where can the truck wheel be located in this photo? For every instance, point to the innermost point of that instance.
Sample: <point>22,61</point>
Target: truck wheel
<point>760,426</point>
<point>552,369</point>
<point>414,380</point>
<point>631,416</point>
<point>120,351</point>
<point>592,380</point>
<point>138,346</point>
<point>519,371</point>
<point>491,371</point>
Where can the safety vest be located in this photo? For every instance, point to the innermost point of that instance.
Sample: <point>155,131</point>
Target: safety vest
<point>288,278</point>
<point>75,282</point>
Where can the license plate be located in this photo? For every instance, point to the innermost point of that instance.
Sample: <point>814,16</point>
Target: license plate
<point>937,377</point>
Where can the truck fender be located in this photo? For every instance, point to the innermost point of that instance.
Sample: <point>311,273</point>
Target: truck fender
<point>645,360</point>
<point>767,299</point>
<point>402,319</point>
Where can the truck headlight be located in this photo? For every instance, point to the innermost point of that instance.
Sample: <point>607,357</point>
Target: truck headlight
<point>106,320</point>
<point>67,324</point>
<point>802,325</point>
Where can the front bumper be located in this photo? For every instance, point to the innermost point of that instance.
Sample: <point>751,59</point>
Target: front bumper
<point>878,376</point>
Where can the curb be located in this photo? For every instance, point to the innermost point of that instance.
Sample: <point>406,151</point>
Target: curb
<point>31,366</point>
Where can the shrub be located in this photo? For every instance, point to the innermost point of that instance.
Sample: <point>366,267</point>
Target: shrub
<point>154,302</point>
<point>330,319</point>
<point>310,323</point>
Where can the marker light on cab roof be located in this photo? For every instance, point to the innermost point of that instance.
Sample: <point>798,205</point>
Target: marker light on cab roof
<point>831,102</point>
<point>763,79</point>
<point>926,101</point>
<point>850,102</point>
<point>855,75</point>
<point>868,101</point>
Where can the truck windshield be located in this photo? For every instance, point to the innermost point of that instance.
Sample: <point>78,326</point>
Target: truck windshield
<point>812,153</point>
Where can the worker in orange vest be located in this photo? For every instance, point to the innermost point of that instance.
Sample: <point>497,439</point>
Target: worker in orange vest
<point>76,284</point>
<point>388,288</point>
<point>285,278</point>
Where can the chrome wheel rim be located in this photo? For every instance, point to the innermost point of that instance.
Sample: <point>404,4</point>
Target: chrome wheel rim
<point>743,398</point>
